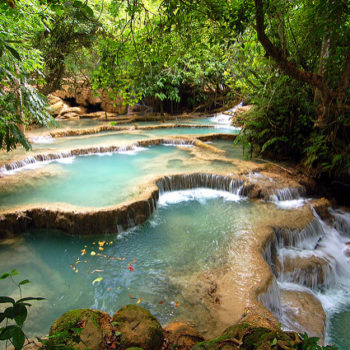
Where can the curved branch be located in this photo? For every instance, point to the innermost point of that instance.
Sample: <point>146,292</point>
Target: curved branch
<point>280,57</point>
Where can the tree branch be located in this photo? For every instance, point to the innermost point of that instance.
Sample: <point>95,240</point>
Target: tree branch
<point>280,57</point>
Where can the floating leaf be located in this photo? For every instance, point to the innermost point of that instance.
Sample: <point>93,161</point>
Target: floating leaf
<point>139,300</point>
<point>93,253</point>
<point>101,243</point>
<point>134,261</point>
<point>98,279</point>
<point>176,304</point>
<point>161,302</point>
<point>101,248</point>
<point>83,251</point>
<point>131,268</point>
<point>108,289</point>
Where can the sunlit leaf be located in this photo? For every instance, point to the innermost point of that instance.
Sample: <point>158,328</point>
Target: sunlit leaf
<point>97,280</point>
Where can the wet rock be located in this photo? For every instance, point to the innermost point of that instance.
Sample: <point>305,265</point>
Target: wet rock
<point>180,336</point>
<point>81,329</point>
<point>347,249</point>
<point>312,272</point>
<point>56,108</point>
<point>304,313</point>
<point>138,327</point>
<point>321,206</point>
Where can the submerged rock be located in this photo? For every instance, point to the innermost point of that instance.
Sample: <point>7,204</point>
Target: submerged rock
<point>81,329</point>
<point>138,327</point>
<point>181,336</point>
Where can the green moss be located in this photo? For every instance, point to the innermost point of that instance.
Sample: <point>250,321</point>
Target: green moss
<point>66,330</point>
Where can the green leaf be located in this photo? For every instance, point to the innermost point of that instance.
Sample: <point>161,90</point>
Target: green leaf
<point>29,298</point>
<point>23,282</point>
<point>4,299</point>
<point>4,275</point>
<point>20,313</point>
<point>2,316</point>
<point>18,338</point>
<point>9,312</point>
<point>7,332</point>
<point>13,52</point>
<point>14,272</point>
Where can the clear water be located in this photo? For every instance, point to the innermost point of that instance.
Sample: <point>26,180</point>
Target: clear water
<point>180,239</point>
<point>94,140</point>
<point>102,180</point>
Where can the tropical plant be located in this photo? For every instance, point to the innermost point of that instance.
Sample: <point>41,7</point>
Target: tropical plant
<point>13,317</point>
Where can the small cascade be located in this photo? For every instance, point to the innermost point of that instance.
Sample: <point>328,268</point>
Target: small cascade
<point>341,221</point>
<point>288,198</point>
<point>41,139</point>
<point>225,118</point>
<point>197,180</point>
<point>178,142</point>
<point>42,159</point>
<point>313,260</point>
<point>271,299</point>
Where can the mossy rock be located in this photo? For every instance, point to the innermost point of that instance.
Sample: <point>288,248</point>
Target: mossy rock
<point>244,336</point>
<point>79,330</point>
<point>138,327</point>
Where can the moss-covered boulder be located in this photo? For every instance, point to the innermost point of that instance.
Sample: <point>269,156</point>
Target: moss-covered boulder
<point>244,336</point>
<point>180,336</point>
<point>138,328</point>
<point>81,329</point>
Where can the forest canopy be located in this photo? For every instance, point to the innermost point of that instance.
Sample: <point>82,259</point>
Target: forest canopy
<point>290,59</point>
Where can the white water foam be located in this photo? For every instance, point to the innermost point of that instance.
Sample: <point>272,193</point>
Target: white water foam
<point>41,139</point>
<point>198,194</point>
<point>225,118</point>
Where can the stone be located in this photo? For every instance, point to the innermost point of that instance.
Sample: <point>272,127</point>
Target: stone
<point>312,271</point>
<point>304,313</point>
<point>138,327</point>
<point>180,336</point>
<point>95,330</point>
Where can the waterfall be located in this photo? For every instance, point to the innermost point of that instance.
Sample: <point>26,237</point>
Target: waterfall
<point>288,198</point>
<point>197,180</point>
<point>312,260</point>
<point>225,118</point>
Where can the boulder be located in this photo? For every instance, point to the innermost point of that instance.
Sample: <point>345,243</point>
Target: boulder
<point>138,327</point>
<point>180,336</point>
<point>81,329</point>
<point>303,313</point>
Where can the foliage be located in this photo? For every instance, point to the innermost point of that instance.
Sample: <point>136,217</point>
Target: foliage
<point>15,315</point>
<point>20,71</point>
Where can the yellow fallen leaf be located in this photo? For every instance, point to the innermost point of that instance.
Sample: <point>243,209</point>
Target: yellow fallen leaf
<point>101,243</point>
<point>101,248</point>
<point>83,251</point>
<point>76,270</point>
<point>139,300</point>
<point>92,253</point>
<point>96,280</point>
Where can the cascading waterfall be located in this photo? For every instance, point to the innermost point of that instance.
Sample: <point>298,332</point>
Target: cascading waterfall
<point>43,159</point>
<point>288,198</point>
<point>321,265</point>
<point>225,118</point>
<point>189,181</point>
